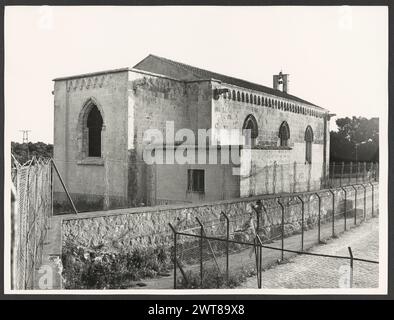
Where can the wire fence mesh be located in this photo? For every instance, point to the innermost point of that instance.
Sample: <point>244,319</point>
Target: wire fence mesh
<point>225,251</point>
<point>30,217</point>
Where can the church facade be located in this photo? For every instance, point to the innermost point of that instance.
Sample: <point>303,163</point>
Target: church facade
<point>101,121</point>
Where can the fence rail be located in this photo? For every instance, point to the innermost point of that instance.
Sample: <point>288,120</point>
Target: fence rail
<point>220,251</point>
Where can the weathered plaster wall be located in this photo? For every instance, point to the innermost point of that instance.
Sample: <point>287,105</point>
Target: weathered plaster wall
<point>220,181</point>
<point>277,171</point>
<point>92,184</point>
<point>154,101</point>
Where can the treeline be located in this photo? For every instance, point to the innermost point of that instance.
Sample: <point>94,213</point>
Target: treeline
<point>357,139</point>
<point>24,152</point>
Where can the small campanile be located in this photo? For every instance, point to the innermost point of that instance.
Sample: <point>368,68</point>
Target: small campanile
<point>281,82</point>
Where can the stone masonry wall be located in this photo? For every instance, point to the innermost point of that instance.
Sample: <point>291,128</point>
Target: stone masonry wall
<point>154,101</point>
<point>139,227</point>
<point>269,112</point>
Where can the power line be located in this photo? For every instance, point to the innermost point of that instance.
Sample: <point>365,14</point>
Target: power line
<point>25,139</point>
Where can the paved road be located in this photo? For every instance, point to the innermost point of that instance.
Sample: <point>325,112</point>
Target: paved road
<point>318,272</point>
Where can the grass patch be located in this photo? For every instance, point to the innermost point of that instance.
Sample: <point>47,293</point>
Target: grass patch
<point>213,279</point>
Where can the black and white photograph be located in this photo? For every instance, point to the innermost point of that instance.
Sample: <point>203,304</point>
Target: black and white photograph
<point>196,150</point>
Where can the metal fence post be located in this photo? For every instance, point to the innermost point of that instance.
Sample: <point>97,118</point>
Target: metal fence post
<point>318,218</point>
<point>227,243</point>
<point>333,212</point>
<point>64,187</point>
<point>372,198</point>
<point>51,195</point>
<point>257,252</point>
<point>257,220</point>
<point>175,253</point>
<point>283,228</point>
<point>351,267</point>
<point>365,171</point>
<point>345,213</point>
<point>372,170</point>
<point>333,175</point>
<point>259,261</point>
<point>302,222</point>
<point>25,284</point>
<point>274,178</point>
<point>341,177</point>
<point>201,256</point>
<point>350,172</point>
<point>261,266</point>
<point>355,205</point>
<point>295,176</point>
<point>365,201</point>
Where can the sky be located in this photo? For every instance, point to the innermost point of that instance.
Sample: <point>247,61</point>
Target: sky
<point>337,57</point>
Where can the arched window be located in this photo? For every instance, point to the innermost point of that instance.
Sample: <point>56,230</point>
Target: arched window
<point>250,130</point>
<point>238,96</point>
<point>308,144</point>
<point>234,96</point>
<point>94,125</point>
<point>242,97</point>
<point>258,100</point>
<point>284,134</point>
<point>247,97</point>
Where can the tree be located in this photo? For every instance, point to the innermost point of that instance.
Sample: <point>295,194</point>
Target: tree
<point>357,139</point>
<point>38,149</point>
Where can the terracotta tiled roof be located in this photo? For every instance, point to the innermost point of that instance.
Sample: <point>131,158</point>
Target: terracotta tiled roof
<point>205,74</point>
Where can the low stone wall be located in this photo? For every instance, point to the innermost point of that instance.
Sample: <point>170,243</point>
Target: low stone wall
<point>149,226</point>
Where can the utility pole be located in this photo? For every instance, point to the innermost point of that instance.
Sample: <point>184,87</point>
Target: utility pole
<point>25,139</point>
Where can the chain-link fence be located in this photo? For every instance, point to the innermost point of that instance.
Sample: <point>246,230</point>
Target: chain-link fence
<point>225,251</point>
<point>276,178</point>
<point>348,173</point>
<point>31,209</point>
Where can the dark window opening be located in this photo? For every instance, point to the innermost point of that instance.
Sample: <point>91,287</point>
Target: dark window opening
<point>195,180</point>
<point>284,134</point>
<point>308,144</point>
<point>308,154</point>
<point>94,125</point>
<point>250,130</point>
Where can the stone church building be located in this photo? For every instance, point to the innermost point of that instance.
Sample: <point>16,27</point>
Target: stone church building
<point>101,118</point>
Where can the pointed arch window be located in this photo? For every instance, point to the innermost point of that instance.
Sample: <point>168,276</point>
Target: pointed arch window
<point>284,134</point>
<point>94,125</point>
<point>90,133</point>
<point>250,130</point>
<point>308,144</point>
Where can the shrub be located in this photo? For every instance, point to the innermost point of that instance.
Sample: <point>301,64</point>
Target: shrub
<point>85,268</point>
